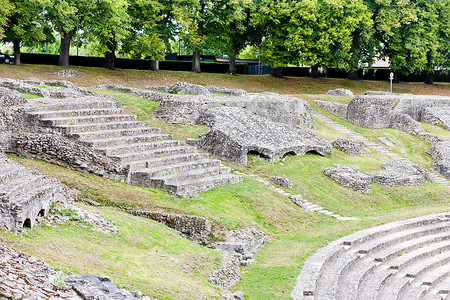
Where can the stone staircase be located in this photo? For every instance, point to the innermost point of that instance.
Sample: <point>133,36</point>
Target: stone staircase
<point>155,159</point>
<point>403,260</point>
<point>25,195</point>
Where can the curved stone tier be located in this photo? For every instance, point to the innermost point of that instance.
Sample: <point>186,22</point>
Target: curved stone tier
<point>403,260</point>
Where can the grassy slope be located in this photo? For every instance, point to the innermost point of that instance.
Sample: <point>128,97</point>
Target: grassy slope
<point>292,234</point>
<point>289,85</point>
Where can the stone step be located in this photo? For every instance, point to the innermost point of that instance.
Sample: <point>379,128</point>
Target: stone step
<point>178,168</point>
<point>344,252</point>
<point>351,279</point>
<point>167,160</point>
<point>174,179</point>
<point>47,104</point>
<point>22,185</point>
<point>11,171</point>
<point>384,283</point>
<point>442,287</point>
<point>203,184</point>
<point>52,114</point>
<point>68,129</point>
<point>88,120</point>
<point>140,147</point>
<point>128,140</point>
<point>155,153</point>
<point>119,134</point>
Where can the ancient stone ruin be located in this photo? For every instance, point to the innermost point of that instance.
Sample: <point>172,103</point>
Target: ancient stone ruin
<point>25,195</point>
<point>266,124</point>
<point>91,133</point>
<point>25,277</point>
<point>395,173</point>
<point>340,92</point>
<point>401,111</point>
<point>401,260</point>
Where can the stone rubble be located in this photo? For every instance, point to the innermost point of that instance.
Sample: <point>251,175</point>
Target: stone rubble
<point>47,88</point>
<point>395,173</point>
<point>226,91</point>
<point>337,109</point>
<point>379,111</point>
<point>182,88</point>
<point>62,214</point>
<point>100,287</point>
<point>439,116</point>
<point>340,92</point>
<point>440,151</point>
<point>281,181</point>
<point>66,73</point>
<point>25,277</point>
<point>348,146</point>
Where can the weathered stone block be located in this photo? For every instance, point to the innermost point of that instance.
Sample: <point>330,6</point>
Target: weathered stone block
<point>281,181</point>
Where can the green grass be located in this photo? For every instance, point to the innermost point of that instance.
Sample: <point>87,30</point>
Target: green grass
<point>31,96</point>
<point>144,256</point>
<point>144,108</point>
<point>437,130</point>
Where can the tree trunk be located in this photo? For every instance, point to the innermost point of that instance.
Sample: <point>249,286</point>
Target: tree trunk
<point>314,71</point>
<point>66,38</point>
<point>429,78</point>
<point>395,77</point>
<point>16,53</point>
<point>277,72</point>
<point>196,61</point>
<point>110,59</point>
<point>232,69</point>
<point>353,75</point>
<point>154,65</point>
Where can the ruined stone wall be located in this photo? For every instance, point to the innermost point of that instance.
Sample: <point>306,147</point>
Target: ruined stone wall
<point>196,229</point>
<point>56,149</point>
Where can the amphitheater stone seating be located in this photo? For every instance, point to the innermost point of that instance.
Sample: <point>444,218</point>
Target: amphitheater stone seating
<point>152,158</point>
<point>25,195</point>
<point>404,260</point>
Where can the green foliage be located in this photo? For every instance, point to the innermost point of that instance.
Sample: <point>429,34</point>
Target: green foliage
<point>315,32</point>
<point>146,30</point>
<point>414,34</point>
<point>108,24</point>
<point>26,24</point>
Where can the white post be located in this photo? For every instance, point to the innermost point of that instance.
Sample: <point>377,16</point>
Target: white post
<point>391,77</point>
<point>77,35</point>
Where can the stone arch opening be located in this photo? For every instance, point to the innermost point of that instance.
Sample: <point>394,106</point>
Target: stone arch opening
<point>256,153</point>
<point>27,223</point>
<point>41,213</point>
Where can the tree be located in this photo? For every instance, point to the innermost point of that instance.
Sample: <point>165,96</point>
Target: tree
<point>6,9</point>
<point>314,32</point>
<point>147,28</point>
<point>189,17</point>
<point>26,25</point>
<point>229,27</point>
<point>108,25</point>
<point>414,34</point>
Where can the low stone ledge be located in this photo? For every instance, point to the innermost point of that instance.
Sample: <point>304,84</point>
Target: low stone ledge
<point>55,149</point>
<point>196,229</point>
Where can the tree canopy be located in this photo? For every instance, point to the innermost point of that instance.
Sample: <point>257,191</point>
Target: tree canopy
<point>345,34</point>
